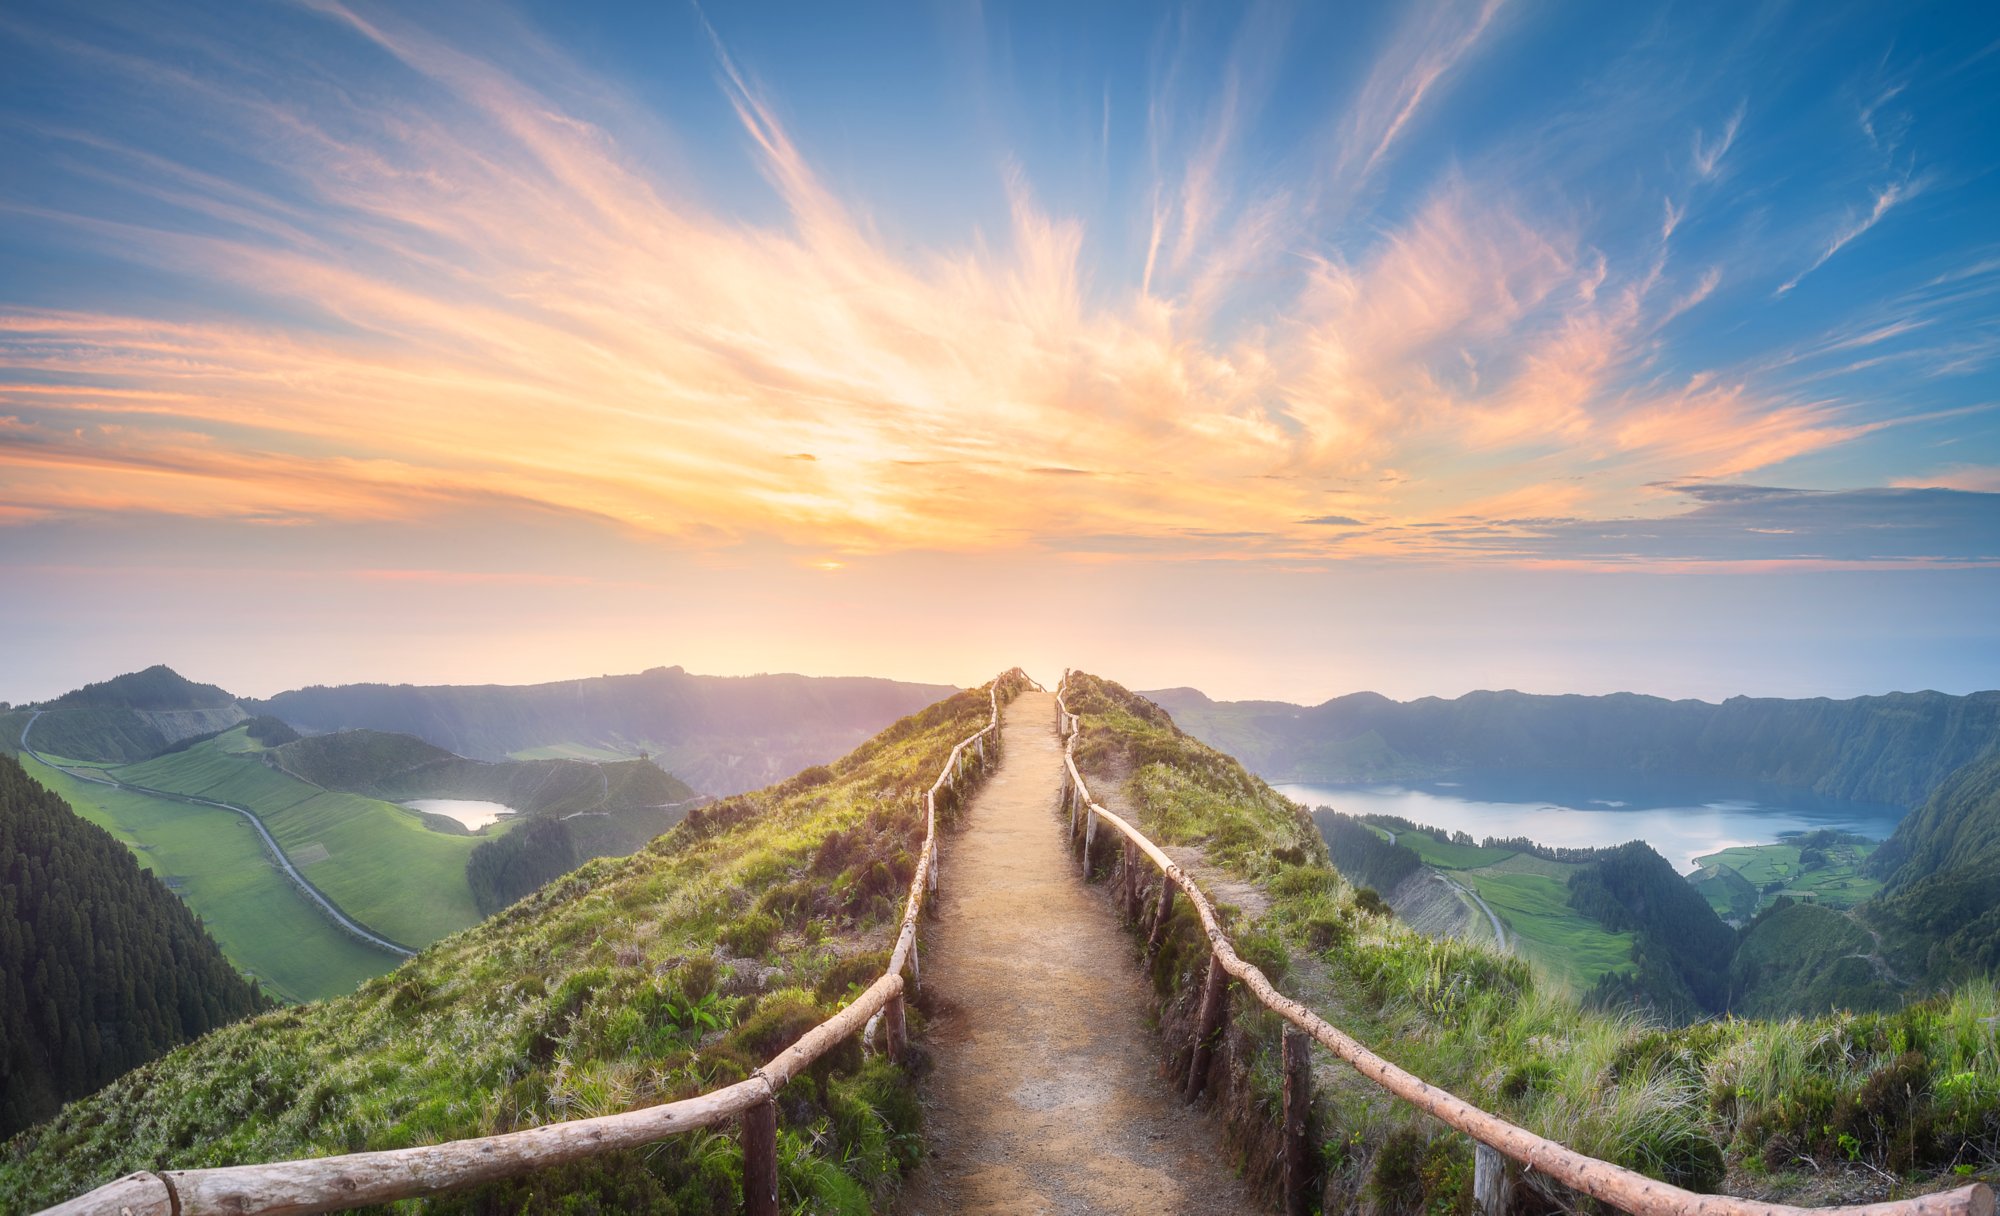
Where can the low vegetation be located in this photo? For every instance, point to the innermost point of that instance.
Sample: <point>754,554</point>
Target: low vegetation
<point>377,861</point>
<point>216,864</point>
<point>626,982</point>
<point>101,968</point>
<point>1849,1104</point>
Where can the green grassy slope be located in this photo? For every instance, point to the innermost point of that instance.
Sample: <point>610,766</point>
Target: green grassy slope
<point>626,983</point>
<point>1531,897</point>
<point>1832,873</point>
<point>215,862</point>
<point>1786,1105</point>
<point>381,865</point>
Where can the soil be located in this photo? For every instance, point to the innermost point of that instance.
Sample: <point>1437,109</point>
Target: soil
<point>1046,1095</point>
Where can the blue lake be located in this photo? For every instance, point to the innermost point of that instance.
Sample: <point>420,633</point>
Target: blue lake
<point>1681,817</point>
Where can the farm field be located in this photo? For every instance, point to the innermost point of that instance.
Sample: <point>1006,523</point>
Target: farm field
<point>213,860</point>
<point>1835,882</point>
<point>375,859</point>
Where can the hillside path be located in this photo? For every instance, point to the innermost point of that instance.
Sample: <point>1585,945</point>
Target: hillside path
<point>1046,1095</point>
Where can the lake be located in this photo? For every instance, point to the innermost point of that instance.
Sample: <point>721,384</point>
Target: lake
<point>1681,817</point>
<point>471,812</point>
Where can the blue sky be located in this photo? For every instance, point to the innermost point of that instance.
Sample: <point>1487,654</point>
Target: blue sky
<point>499,342</point>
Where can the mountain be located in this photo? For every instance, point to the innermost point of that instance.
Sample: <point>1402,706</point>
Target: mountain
<point>101,967</point>
<point>1940,902</point>
<point>126,718</point>
<point>626,983</point>
<point>1892,749</point>
<point>721,734</point>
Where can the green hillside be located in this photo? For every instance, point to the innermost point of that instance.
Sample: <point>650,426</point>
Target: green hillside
<point>101,968</point>
<point>1888,749</point>
<point>214,861</point>
<point>378,861</point>
<point>1940,903</point>
<point>1780,1107</point>
<point>629,982</point>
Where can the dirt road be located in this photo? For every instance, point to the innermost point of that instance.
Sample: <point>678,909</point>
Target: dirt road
<point>1046,1096</point>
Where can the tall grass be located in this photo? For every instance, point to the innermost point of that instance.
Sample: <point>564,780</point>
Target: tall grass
<point>1914,1093</point>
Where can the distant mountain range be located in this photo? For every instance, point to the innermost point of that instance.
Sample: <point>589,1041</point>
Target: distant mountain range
<point>1892,749</point>
<point>720,734</point>
<point>1937,919</point>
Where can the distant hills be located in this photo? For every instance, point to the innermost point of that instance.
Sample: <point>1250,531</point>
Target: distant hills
<point>720,734</point>
<point>1893,749</point>
<point>1936,919</point>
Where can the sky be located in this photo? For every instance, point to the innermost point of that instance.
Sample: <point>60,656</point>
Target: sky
<point>1277,350</point>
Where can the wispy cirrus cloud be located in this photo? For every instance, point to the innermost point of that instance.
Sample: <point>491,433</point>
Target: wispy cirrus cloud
<point>477,285</point>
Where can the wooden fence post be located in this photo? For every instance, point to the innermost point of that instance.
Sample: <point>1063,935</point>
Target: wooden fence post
<point>1492,1193</point>
<point>899,1028</point>
<point>1214,990</point>
<point>1089,838</point>
<point>1131,882</point>
<point>760,1160</point>
<point>1161,913</point>
<point>1298,1102</point>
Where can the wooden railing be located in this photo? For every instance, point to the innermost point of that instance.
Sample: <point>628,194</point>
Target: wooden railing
<point>1622,1188</point>
<point>329,1184</point>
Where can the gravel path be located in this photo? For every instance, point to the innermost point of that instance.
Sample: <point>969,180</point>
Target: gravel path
<point>1046,1097</point>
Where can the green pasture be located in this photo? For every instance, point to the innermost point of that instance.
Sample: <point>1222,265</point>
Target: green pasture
<point>1837,884</point>
<point>214,861</point>
<point>1552,935</point>
<point>383,867</point>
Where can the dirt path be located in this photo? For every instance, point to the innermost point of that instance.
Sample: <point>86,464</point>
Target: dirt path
<point>1046,1096</point>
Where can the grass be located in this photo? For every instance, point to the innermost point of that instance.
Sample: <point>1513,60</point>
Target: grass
<point>1837,882</point>
<point>611,988</point>
<point>1569,946</point>
<point>215,862</point>
<point>1914,1092</point>
<point>1531,896</point>
<point>384,867</point>
<point>1447,855</point>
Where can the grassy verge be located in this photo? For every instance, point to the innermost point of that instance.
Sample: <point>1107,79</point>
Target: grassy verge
<point>1842,1107</point>
<point>625,983</point>
<point>214,861</point>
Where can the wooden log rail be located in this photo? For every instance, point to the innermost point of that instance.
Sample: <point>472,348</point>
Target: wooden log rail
<point>1624,1189</point>
<point>331,1184</point>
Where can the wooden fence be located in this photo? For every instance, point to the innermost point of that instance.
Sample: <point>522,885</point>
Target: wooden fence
<point>330,1184</point>
<point>1623,1189</point>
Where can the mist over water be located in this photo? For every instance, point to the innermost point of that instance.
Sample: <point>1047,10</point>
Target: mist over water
<point>1681,817</point>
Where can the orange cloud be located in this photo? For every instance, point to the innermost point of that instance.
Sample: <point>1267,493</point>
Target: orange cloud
<point>499,304</point>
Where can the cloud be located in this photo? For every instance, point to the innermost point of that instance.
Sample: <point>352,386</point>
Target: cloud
<point>480,291</point>
<point>1708,153</point>
<point>1769,527</point>
<point>1887,197</point>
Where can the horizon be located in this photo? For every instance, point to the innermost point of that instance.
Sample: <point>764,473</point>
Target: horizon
<point>1142,689</point>
<point>1269,351</point>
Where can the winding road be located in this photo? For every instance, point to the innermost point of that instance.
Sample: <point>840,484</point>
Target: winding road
<point>270,842</point>
<point>1499,931</point>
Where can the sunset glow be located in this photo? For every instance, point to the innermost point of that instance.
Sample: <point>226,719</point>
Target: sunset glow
<point>609,350</point>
